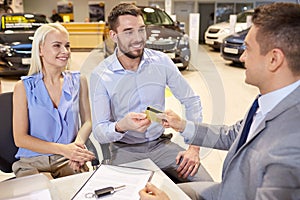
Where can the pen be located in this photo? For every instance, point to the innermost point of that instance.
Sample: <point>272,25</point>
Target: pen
<point>108,190</point>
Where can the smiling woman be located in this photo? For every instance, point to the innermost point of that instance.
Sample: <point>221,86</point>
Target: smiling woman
<point>48,105</point>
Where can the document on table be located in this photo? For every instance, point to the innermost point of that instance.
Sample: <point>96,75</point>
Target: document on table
<point>134,180</point>
<point>37,195</point>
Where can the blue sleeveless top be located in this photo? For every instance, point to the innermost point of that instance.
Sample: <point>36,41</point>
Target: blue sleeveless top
<point>59,125</point>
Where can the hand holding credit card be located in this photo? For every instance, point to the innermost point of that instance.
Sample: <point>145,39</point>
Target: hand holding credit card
<point>154,114</point>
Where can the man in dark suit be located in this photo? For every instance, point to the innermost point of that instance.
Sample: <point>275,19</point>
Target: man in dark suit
<point>263,162</point>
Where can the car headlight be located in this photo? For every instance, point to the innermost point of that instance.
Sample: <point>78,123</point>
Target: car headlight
<point>184,41</point>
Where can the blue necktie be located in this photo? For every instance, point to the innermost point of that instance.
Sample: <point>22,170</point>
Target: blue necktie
<point>248,123</point>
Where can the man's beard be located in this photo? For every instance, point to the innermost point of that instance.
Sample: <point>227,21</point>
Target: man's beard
<point>133,56</point>
<point>130,54</point>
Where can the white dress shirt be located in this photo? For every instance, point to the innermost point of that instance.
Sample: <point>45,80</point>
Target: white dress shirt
<point>267,102</point>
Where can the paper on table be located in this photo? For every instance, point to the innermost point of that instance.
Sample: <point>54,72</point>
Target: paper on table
<point>113,176</point>
<point>37,195</point>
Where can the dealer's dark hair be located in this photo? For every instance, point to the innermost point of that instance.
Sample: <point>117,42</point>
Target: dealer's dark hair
<point>279,27</point>
<point>119,10</point>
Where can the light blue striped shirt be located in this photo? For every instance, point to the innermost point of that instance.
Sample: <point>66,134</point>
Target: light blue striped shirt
<point>115,92</point>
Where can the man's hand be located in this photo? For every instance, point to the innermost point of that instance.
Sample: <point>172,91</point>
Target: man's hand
<point>189,162</point>
<point>172,120</point>
<point>150,192</point>
<point>134,122</point>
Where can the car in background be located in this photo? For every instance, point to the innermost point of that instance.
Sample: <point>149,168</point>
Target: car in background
<point>163,34</point>
<point>215,33</point>
<point>16,33</point>
<point>233,46</point>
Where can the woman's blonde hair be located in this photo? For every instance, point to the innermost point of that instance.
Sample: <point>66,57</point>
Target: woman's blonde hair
<point>38,40</point>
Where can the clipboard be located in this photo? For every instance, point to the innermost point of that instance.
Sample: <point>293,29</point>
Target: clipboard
<point>134,179</point>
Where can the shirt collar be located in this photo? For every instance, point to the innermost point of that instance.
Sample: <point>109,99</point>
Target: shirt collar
<point>116,65</point>
<point>268,101</point>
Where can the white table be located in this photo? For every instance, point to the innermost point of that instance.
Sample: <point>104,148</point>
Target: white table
<point>65,188</point>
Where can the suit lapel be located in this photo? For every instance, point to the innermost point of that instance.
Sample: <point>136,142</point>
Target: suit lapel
<point>287,103</point>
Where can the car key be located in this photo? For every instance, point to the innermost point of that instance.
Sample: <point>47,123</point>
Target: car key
<point>108,190</point>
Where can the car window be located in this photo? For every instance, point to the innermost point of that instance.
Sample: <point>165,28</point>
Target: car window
<point>242,17</point>
<point>22,22</point>
<point>157,17</point>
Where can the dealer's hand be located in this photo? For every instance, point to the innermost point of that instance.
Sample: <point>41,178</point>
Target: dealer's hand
<point>189,162</point>
<point>150,192</point>
<point>172,120</point>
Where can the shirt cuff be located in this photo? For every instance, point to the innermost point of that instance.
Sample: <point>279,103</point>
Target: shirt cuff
<point>188,132</point>
<point>117,136</point>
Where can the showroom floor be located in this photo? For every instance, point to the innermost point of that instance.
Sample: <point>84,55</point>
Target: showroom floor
<point>224,95</point>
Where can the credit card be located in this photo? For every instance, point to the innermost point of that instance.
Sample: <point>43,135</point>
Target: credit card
<point>152,114</point>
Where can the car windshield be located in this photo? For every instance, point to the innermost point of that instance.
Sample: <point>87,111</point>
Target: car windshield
<point>22,22</point>
<point>157,17</point>
<point>242,17</point>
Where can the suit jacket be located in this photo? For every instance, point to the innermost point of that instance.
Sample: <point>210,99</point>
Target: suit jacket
<point>268,165</point>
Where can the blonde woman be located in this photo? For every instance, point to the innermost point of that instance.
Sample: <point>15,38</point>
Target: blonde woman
<point>51,111</point>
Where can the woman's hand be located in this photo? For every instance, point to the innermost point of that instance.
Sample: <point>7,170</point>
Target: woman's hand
<point>78,153</point>
<point>77,167</point>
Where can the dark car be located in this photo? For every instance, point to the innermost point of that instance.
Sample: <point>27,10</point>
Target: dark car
<point>16,32</point>
<point>163,34</point>
<point>233,46</point>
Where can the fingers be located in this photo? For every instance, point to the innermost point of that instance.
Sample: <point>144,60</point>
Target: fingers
<point>174,121</point>
<point>77,167</point>
<point>143,193</point>
<point>187,169</point>
<point>178,157</point>
<point>152,189</point>
<point>135,122</point>
<point>79,154</point>
<point>146,193</point>
<point>187,166</point>
<point>195,169</point>
<point>150,192</point>
<point>74,165</point>
<point>85,155</point>
<point>138,116</point>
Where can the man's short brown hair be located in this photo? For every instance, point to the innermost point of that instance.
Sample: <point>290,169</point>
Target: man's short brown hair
<point>119,10</point>
<point>279,27</point>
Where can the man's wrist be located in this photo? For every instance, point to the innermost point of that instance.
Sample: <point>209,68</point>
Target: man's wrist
<point>194,147</point>
<point>118,129</point>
